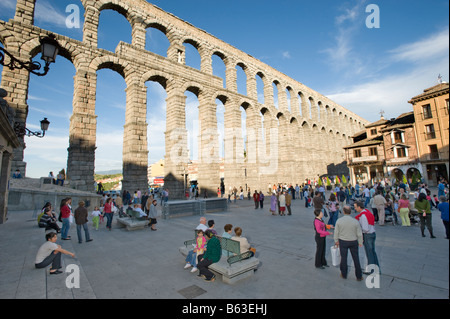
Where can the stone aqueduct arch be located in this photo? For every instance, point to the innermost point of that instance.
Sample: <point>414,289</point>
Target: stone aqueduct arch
<point>313,125</point>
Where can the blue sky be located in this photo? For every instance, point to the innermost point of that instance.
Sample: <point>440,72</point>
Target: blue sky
<point>324,44</point>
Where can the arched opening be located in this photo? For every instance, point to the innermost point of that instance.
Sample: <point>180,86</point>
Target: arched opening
<point>241,78</point>
<point>192,124</point>
<point>260,87</point>
<point>275,85</point>
<point>113,27</point>
<point>218,66</point>
<point>192,56</point>
<point>50,96</point>
<point>156,40</point>
<point>156,120</point>
<point>110,108</point>
<point>220,115</point>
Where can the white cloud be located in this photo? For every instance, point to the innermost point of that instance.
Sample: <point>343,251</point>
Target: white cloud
<point>341,54</point>
<point>46,13</point>
<point>286,55</point>
<point>432,47</point>
<point>8,4</point>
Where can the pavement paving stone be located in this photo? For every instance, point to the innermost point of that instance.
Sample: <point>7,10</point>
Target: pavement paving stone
<point>121,264</point>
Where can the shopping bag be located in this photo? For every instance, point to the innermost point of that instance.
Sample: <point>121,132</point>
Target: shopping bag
<point>335,256</point>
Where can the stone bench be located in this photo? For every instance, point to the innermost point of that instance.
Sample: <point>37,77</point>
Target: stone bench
<point>133,222</point>
<point>232,269</point>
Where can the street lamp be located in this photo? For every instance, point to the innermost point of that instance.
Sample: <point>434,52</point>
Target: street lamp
<point>49,49</point>
<point>22,131</point>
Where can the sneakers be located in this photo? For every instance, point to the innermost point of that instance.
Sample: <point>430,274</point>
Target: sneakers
<point>210,280</point>
<point>194,269</point>
<point>187,266</point>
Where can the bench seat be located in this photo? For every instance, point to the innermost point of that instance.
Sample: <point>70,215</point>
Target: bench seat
<point>131,223</point>
<point>230,269</point>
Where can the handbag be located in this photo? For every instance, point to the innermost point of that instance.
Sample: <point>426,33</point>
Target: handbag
<point>335,256</point>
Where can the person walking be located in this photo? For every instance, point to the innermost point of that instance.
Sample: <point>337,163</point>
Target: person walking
<point>81,220</point>
<point>380,203</point>
<point>256,199</point>
<point>152,214</point>
<point>443,208</point>
<point>367,222</point>
<point>273,203</point>
<point>320,238</point>
<point>348,236</point>
<point>289,201</point>
<point>282,201</point>
<point>65,212</point>
<point>403,207</point>
<point>261,199</point>
<point>108,212</point>
<point>423,207</point>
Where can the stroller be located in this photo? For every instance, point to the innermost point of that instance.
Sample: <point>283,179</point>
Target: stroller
<point>390,215</point>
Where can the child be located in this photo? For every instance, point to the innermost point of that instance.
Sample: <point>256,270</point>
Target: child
<point>191,258</point>
<point>96,217</point>
<point>436,200</point>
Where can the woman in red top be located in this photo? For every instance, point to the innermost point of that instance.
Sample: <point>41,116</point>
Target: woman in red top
<point>65,211</point>
<point>403,209</point>
<point>108,211</point>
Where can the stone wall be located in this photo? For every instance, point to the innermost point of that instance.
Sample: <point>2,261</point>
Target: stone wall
<point>298,144</point>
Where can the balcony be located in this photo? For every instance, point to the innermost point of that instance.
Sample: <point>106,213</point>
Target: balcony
<point>372,158</point>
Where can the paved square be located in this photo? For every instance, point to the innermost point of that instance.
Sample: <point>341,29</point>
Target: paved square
<point>147,264</point>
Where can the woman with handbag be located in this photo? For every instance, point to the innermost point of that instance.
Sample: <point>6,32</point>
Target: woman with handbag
<point>321,234</point>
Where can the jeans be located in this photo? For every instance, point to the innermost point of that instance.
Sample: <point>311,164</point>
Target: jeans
<point>367,201</point>
<point>54,259</point>
<point>333,218</point>
<point>109,218</point>
<point>86,232</point>
<point>344,246</point>
<point>192,258</point>
<point>369,247</point>
<point>65,227</point>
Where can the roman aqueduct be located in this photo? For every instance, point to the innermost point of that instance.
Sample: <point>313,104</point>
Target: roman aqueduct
<point>303,134</point>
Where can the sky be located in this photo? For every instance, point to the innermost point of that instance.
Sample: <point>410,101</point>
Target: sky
<point>366,58</point>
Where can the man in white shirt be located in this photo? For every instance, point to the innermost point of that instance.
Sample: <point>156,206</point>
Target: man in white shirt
<point>202,224</point>
<point>50,253</point>
<point>367,222</point>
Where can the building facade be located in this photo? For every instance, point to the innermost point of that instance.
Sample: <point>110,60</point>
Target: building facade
<point>431,110</point>
<point>385,150</point>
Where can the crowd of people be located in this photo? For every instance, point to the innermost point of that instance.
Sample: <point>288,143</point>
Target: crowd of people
<point>371,203</point>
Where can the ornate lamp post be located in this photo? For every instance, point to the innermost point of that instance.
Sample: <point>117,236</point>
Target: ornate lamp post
<point>49,49</point>
<point>22,131</point>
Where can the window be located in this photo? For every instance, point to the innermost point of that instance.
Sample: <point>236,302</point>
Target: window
<point>373,151</point>
<point>401,152</point>
<point>373,131</point>
<point>397,137</point>
<point>434,153</point>
<point>446,107</point>
<point>357,153</point>
<point>426,112</point>
<point>429,132</point>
